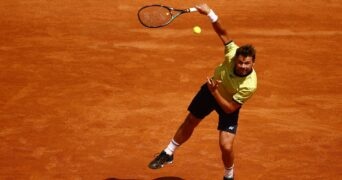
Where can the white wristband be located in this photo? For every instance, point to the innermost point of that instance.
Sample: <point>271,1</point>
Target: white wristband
<point>212,16</point>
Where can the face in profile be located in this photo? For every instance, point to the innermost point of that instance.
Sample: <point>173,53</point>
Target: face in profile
<point>243,65</point>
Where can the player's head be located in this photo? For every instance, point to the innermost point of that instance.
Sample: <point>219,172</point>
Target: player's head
<point>244,60</point>
<point>245,51</point>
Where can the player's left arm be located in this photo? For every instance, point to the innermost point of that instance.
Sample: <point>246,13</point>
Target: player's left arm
<point>216,24</point>
<point>227,106</point>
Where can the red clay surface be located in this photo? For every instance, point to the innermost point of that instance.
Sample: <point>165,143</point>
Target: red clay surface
<point>88,93</point>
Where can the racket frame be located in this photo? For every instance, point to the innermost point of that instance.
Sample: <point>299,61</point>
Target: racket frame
<point>171,11</point>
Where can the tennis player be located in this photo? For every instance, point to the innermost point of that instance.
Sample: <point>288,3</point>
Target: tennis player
<point>233,83</point>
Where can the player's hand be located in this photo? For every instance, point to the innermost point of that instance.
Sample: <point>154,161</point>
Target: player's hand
<point>203,9</point>
<point>213,84</point>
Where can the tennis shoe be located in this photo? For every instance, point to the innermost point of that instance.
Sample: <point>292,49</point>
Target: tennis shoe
<point>226,178</point>
<point>161,160</point>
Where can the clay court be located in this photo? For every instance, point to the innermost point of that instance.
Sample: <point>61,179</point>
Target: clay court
<point>89,93</point>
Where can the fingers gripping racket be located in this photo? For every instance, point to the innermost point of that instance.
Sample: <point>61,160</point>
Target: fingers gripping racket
<point>155,16</point>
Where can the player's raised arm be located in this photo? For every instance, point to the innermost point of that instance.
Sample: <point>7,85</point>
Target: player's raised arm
<point>221,32</point>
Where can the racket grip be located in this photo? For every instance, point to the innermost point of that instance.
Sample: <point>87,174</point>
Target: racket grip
<point>192,9</point>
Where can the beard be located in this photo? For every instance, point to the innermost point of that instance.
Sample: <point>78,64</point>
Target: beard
<point>242,72</point>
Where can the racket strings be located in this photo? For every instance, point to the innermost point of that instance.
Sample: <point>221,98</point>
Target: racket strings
<point>155,16</point>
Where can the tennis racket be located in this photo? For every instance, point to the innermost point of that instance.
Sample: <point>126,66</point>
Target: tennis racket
<point>156,15</point>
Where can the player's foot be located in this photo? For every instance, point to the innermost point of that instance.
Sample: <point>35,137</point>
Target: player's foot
<point>225,178</point>
<point>161,160</point>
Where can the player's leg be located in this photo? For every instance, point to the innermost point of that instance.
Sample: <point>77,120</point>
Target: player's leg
<point>226,141</point>
<point>183,133</point>
<point>227,127</point>
<point>201,106</point>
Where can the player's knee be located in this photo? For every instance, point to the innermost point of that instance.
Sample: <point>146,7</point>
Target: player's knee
<point>226,146</point>
<point>191,121</point>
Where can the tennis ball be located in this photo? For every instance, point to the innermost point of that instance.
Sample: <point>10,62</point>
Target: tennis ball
<point>197,29</point>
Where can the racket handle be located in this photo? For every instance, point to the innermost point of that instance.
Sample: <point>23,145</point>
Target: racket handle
<point>192,9</point>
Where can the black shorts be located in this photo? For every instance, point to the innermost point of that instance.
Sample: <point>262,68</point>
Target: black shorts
<point>204,103</point>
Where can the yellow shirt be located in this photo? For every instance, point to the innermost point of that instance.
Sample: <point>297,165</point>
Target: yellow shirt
<point>234,87</point>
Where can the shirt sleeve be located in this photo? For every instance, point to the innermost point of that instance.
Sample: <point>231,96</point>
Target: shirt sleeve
<point>230,49</point>
<point>243,95</point>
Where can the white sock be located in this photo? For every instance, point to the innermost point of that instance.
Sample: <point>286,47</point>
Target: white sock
<point>229,172</point>
<point>171,148</point>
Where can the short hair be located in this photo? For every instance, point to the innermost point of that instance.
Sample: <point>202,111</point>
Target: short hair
<point>246,50</point>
